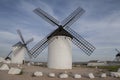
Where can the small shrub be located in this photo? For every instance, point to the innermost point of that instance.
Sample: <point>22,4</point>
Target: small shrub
<point>109,68</point>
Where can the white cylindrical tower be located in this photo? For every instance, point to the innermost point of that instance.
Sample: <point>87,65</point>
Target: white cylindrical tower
<point>60,53</point>
<point>18,57</point>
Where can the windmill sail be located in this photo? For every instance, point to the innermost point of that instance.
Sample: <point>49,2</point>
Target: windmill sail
<point>40,46</point>
<point>21,37</point>
<point>30,40</point>
<point>117,50</point>
<point>72,17</point>
<point>8,55</point>
<point>25,43</point>
<point>46,17</point>
<point>84,45</point>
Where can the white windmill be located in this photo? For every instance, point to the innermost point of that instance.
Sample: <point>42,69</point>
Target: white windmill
<point>19,50</point>
<point>117,57</point>
<point>59,41</point>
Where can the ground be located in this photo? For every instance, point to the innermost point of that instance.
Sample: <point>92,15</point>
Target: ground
<point>28,72</point>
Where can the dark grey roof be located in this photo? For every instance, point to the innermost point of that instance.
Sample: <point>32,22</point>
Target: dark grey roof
<point>60,32</point>
<point>17,44</point>
<point>118,55</point>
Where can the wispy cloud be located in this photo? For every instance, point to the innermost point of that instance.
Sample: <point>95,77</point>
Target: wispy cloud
<point>99,24</point>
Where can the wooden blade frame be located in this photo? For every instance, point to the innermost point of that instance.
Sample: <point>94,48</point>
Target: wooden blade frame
<point>84,45</point>
<point>72,17</point>
<point>46,17</point>
<point>21,37</point>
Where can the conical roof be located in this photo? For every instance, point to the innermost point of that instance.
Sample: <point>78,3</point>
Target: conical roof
<point>60,32</point>
<point>118,55</point>
<point>18,44</point>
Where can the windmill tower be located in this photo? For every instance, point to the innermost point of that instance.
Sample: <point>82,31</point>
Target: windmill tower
<point>19,50</point>
<point>117,57</point>
<point>59,41</point>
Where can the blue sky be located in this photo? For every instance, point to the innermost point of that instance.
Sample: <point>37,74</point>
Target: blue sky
<point>100,24</point>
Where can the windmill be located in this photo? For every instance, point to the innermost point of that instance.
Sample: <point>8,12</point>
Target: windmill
<point>59,41</point>
<point>117,58</point>
<point>19,50</point>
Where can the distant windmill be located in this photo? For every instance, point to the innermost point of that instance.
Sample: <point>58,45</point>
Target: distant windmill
<point>59,41</point>
<point>117,57</point>
<point>19,50</point>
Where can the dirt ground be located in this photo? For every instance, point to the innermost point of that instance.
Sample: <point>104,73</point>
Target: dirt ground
<point>29,70</point>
